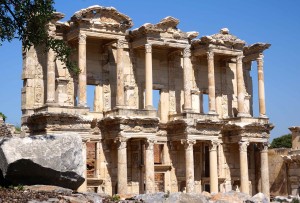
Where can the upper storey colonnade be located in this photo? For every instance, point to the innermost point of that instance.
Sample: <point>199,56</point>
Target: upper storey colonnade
<point>111,27</point>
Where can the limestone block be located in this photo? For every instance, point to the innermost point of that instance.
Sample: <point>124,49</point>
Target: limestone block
<point>42,159</point>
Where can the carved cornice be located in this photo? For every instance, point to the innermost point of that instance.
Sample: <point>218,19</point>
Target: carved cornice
<point>255,48</point>
<point>223,38</point>
<point>102,16</point>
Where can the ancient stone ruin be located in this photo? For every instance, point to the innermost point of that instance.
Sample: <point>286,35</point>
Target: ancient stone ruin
<point>202,136</point>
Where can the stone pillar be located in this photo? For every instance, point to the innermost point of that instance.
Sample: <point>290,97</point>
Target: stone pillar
<point>213,166</point>
<point>240,86</point>
<point>83,186</point>
<point>50,77</point>
<point>122,165</point>
<point>189,165</point>
<point>98,99</point>
<point>149,166</point>
<point>261,86</point>
<point>120,75</point>
<point>265,184</point>
<point>82,68</point>
<point>244,167</point>
<point>211,83</point>
<point>187,86</point>
<point>148,75</point>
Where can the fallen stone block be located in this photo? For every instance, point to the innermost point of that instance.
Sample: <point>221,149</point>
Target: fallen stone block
<point>42,159</point>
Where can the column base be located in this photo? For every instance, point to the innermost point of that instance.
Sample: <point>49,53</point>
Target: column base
<point>149,107</point>
<point>263,116</point>
<point>212,113</point>
<point>82,105</point>
<point>247,115</point>
<point>188,110</point>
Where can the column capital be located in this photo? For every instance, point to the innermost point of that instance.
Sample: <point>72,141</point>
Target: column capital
<point>210,55</point>
<point>213,145</point>
<point>187,52</point>
<point>260,57</point>
<point>148,48</point>
<point>149,143</point>
<point>120,44</point>
<point>188,143</point>
<point>121,142</point>
<point>239,58</point>
<point>243,146</point>
<point>264,146</point>
<point>82,38</point>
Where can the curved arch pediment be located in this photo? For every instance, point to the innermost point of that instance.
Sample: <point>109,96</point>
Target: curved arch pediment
<point>103,16</point>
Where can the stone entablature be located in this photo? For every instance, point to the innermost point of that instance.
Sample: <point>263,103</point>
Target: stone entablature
<point>132,147</point>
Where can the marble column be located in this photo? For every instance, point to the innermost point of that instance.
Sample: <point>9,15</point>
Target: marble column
<point>213,166</point>
<point>211,83</point>
<point>240,86</point>
<point>83,186</point>
<point>50,77</point>
<point>149,166</point>
<point>187,83</point>
<point>120,75</point>
<point>82,67</point>
<point>261,86</point>
<point>189,165</point>
<point>148,77</point>
<point>264,167</point>
<point>98,99</point>
<point>122,165</point>
<point>244,167</point>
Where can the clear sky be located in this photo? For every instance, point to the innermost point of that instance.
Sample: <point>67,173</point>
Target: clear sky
<point>273,21</point>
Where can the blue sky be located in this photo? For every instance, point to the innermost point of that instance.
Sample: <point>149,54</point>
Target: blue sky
<point>275,22</point>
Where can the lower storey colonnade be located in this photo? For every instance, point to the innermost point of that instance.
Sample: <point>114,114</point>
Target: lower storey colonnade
<point>187,165</point>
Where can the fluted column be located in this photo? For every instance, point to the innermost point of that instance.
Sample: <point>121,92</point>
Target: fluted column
<point>240,85</point>
<point>149,78</point>
<point>264,167</point>
<point>122,165</point>
<point>213,166</point>
<point>82,68</point>
<point>261,86</point>
<point>211,83</point>
<point>50,76</point>
<point>149,166</point>
<point>187,86</point>
<point>244,167</point>
<point>120,75</point>
<point>189,165</point>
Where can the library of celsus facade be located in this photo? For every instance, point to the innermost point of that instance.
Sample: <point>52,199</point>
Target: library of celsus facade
<point>201,136</point>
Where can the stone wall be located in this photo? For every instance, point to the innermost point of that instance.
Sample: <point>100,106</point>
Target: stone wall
<point>4,129</point>
<point>278,172</point>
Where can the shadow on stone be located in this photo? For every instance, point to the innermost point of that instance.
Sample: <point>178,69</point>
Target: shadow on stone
<point>26,172</point>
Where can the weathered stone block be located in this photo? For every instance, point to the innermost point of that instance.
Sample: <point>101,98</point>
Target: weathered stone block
<point>43,159</point>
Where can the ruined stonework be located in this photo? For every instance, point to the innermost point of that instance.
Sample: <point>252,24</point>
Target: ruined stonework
<point>132,146</point>
<point>4,129</point>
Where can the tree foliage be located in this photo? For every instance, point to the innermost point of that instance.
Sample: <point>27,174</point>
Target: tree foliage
<point>284,141</point>
<point>3,116</point>
<point>27,20</point>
